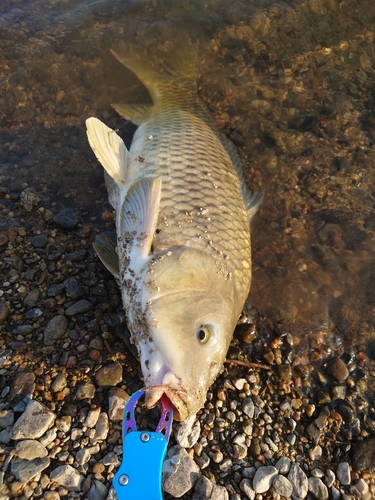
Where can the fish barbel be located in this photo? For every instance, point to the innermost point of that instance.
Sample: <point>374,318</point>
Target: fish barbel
<point>183,257</point>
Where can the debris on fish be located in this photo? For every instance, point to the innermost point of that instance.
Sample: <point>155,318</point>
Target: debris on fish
<point>182,256</point>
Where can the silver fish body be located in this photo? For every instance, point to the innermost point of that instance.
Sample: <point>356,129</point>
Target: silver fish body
<point>182,221</point>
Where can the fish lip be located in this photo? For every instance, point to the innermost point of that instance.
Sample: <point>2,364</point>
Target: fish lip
<point>176,396</point>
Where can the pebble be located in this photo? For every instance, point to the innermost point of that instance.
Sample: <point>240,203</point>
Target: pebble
<point>205,489</point>
<point>117,399</point>
<point>248,407</point>
<point>92,418</point>
<point>3,239</point>
<point>66,219</point>
<point>29,449</point>
<point>24,470</point>
<point>4,312</point>
<point>283,465</point>
<point>337,369</point>
<point>343,473</point>
<point>109,375</point>
<point>299,481</point>
<point>64,423</point>
<point>282,486</point>
<point>6,418</point>
<point>83,456</point>
<point>68,477</point>
<point>329,478</point>
<point>97,491</point>
<point>59,383</point>
<point>34,422</point>
<point>318,489</point>
<point>363,455</point>
<point>101,427</point>
<point>22,388</point>
<point>85,391</point>
<point>79,307</point>
<point>247,487</point>
<point>185,477</point>
<point>55,329</point>
<point>188,432</point>
<point>362,486</point>
<point>39,241</point>
<point>263,478</point>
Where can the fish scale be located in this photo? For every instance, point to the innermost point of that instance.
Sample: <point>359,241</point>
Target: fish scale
<point>183,257</point>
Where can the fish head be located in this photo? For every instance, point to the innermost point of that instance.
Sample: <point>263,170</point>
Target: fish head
<point>191,317</point>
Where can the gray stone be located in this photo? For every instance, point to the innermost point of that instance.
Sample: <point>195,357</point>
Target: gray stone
<point>39,241</point>
<point>79,307</point>
<point>248,407</point>
<point>66,218</point>
<point>30,449</point>
<point>22,389</point>
<point>318,489</point>
<point>205,489</point>
<point>5,436</point>
<point>55,329</point>
<point>247,487</point>
<point>110,459</point>
<point>85,391</point>
<point>187,432</point>
<point>24,470</point>
<point>299,482</point>
<point>64,423</point>
<point>185,477</point>
<point>59,383</point>
<point>83,456</point>
<point>283,465</point>
<point>68,477</point>
<point>363,455</point>
<point>335,494</point>
<point>329,478</point>
<point>33,422</point>
<point>282,486</point>
<point>317,473</point>
<point>203,460</point>
<point>97,491</point>
<point>111,494</point>
<point>109,375</point>
<point>6,418</point>
<point>263,478</point>
<point>248,472</point>
<point>343,473</point>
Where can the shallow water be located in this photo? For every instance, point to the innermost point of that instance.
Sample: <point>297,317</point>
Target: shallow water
<point>292,85</point>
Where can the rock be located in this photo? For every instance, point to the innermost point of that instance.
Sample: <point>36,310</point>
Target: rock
<point>6,418</point>
<point>110,459</point>
<point>39,241</point>
<point>79,307</point>
<point>85,391</point>
<point>248,407</point>
<point>4,312</point>
<point>329,478</point>
<point>24,470</point>
<point>22,388</point>
<point>362,487</point>
<point>263,478</point>
<point>109,375</point>
<point>247,487</point>
<point>205,489</point>
<point>68,477</point>
<point>299,482</point>
<point>34,422</point>
<point>83,456</point>
<point>33,313</point>
<point>314,430</point>
<point>72,289</point>
<point>282,486</point>
<point>318,489</point>
<point>101,427</point>
<point>343,473</point>
<point>187,432</point>
<point>185,477</point>
<point>3,239</point>
<point>116,403</point>
<point>55,329</point>
<point>97,491</point>
<point>363,455</point>
<point>92,417</point>
<point>64,423</point>
<point>59,383</point>
<point>30,449</point>
<point>315,453</point>
<point>283,465</point>
<point>66,219</point>
<point>337,369</point>
<point>5,436</point>
<point>112,494</point>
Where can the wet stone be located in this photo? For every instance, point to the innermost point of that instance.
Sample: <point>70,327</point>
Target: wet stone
<point>337,369</point>
<point>263,478</point>
<point>187,432</point>
<point>39,241</point>
<point>24,470</point>
<point>68,477</point>
<point>85,391</point>
<point>30,449</point>
<point>79,307</point>
<point>109,375</point>
<point>282,486</point>
<point>66,219</point>
<point>299,481</point>
<point>347,413</point>
<point>33,422</point>
<point>363,455</point>
<point>116,403</point>
<point>318,489</point>
<point>185,477</point>
<point>55,329</point>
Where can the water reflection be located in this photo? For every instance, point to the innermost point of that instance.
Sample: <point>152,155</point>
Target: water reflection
<point>290,83</point>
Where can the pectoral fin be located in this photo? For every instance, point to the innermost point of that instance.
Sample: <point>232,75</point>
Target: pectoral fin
<point>136,113</point>
<point>253,200</point>
<point>109,149</point>
<point>105,247</point>
<point>137,219</point>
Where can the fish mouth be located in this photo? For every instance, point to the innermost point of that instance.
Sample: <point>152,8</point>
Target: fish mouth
<point>171,387</point>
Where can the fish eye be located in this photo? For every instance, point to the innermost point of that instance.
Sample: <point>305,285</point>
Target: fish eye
<point>204,334</point>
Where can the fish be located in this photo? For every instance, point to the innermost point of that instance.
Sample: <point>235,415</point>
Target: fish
<point>182,257</point>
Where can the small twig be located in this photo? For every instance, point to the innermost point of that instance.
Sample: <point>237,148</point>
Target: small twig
<point>247,363</point>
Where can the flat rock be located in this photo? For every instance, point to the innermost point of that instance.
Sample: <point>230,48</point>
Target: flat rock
<point>116,403</point>
<point>363,455</point>
<point>66,218</point>
<point>33,422</point>
<point>282,486</point>
<point>97,491</point>
<point>185,477</point>
<point>30,449</point>
<point>24,470</point>
<point>204,489</point>
<point>343,473</point>
<point>79,307</point>
<point>299,482</point>
<point>263,478</point>
<point>318,489</point>
<point>68,477</point>
<point>109,375</point>
<point>187,432</point>
<point>55,329</point>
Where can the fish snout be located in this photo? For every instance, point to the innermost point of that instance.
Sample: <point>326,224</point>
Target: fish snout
<point>170,386</point>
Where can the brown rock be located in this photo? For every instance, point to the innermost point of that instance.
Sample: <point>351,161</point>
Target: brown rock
<point>337,369</point>
<point>4,312</point>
